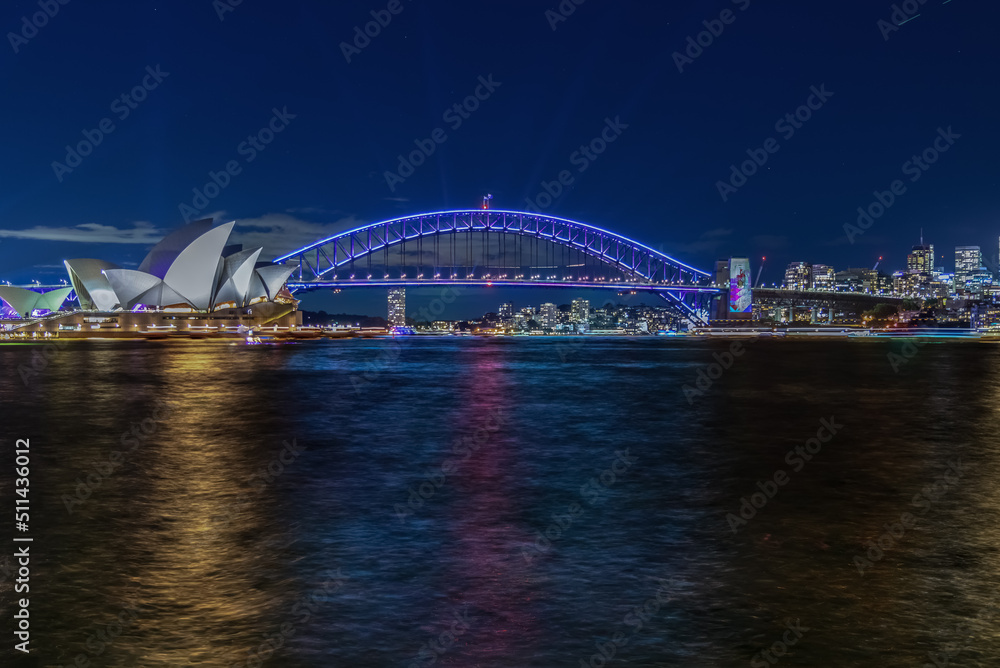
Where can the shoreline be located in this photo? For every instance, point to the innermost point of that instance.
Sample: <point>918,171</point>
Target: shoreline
<point>257,338</point>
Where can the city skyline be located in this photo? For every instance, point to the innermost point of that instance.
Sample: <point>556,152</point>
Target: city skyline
<point>969,260</point>
<point>269,163</point>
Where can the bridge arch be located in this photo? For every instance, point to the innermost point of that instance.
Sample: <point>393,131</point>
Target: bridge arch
<point>318,261</point>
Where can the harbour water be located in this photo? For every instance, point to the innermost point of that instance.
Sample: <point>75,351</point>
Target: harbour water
<point>513,502</point>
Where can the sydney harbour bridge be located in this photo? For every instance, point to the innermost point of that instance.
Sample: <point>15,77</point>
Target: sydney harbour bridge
<point>498,248</point>
<point>520,249</point>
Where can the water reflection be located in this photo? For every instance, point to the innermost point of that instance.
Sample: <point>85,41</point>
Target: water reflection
<point>184,554</point>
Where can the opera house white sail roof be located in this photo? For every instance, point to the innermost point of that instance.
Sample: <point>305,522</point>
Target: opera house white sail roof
<point>192,267</point>
<point>24,301</point>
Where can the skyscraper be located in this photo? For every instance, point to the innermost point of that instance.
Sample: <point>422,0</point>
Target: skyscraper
<point>967,260</point>
<point>548,316</point>
<point>921,258</point>
<point>581,311</point>
<point>506,313</point>
<point>397,307</point>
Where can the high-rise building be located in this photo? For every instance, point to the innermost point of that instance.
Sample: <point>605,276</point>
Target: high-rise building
<point>822,277</point>
<point>909,283</point>
<point>581,311</point>
<point>397,307</point>
<point>861,279</point>
<point>921,258</point>
<point>548,316</point>
<point>850,280</point>
<point>506,313</point>
<point>979,281</point>
<point>968,259</point>
<point>798,276</point>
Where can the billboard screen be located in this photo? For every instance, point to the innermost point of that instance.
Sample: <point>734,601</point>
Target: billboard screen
<point>740,296</point>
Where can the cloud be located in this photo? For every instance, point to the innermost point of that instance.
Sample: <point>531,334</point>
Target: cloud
<point>281,233</point>
<point>308,210</point>
<point>277,233</point>
<point>142,233</point>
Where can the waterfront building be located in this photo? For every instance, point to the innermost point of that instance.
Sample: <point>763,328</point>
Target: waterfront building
<point>908,283</point>
<point>23,302</point>
<point>849,280</point>
<point>798,276</point>
<point>903,283</point>
<point>506,313</point>
<point>548,316</point>
<point>581,312</point>
<point>823,277</point>
<point>191,269</point>
<point>862,279</point>
<point>397,307</point>
<point>968,259</point>
<point>192,282</point>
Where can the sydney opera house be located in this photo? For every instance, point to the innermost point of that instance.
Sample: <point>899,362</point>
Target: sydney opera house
<point>191,283</point>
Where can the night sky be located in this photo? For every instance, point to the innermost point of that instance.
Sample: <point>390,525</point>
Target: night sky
<point>217,74</point>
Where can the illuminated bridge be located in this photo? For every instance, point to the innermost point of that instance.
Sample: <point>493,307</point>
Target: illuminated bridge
<point>497,248</point>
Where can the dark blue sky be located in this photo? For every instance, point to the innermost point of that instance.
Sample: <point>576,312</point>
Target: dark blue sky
<point>657,182</point>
